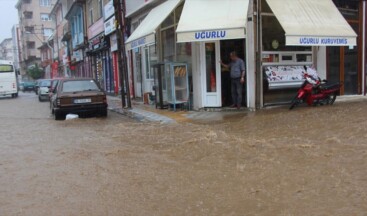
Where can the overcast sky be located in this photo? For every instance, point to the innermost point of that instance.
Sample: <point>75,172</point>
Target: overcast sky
<point>8,18</point>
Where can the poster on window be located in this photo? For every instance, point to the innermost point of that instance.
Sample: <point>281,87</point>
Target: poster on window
<point>287,73</point>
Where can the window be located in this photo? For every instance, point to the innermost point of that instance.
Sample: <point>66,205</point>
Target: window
<point>28,14</point>
<point>31,45</point>
<point>47,32</point>
<point>45,3</point>
<point>100,4</point>
<point>27,1</point>
<point>77,28</point>
<point>29,29</point>
<point>91,21</point>
<point>79,85</point>
<point>45,17</point>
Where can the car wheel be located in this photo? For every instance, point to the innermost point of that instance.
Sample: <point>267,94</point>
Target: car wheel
<point>39,99</point>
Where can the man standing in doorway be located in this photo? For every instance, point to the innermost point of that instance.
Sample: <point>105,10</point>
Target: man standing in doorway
<point>237,67</point>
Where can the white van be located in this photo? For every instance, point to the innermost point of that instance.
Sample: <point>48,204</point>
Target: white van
<point>8,79</point>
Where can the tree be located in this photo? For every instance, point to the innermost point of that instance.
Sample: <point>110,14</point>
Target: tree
<point>35,72</point>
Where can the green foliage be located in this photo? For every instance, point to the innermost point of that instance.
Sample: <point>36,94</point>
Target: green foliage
<point>35,72</point>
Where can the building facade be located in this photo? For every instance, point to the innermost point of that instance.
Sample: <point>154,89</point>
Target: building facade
<point>263,32</point>
<point>15,32</point>
<point>7,50</point>
<point>36,25</point>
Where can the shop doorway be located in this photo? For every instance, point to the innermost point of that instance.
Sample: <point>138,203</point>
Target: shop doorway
<point>226,47</point>
<point>343,66</point>
<point>211,79</point>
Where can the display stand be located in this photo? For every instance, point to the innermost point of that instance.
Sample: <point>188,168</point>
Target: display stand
<point>177,81</point>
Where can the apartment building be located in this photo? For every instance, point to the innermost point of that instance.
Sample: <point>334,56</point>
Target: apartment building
<point>36,26</point>
<point>16,42</point>
<point>6,49</point>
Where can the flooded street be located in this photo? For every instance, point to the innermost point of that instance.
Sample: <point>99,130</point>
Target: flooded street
<point>309,161</point>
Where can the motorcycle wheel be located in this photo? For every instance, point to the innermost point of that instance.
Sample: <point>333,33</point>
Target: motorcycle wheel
<point>332,99</point>
<point>294,103</point>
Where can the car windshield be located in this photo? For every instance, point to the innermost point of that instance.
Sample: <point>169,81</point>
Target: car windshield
<point>45,83</point>
<point>79,85</point>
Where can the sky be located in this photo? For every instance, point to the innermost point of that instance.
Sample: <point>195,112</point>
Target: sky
<point>8,17</point>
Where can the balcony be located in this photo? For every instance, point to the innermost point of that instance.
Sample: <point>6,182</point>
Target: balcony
<point>32,53</point>
<point>66,28</point>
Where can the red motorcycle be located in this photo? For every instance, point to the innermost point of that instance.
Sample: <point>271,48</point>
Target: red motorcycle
<point>315,91</point>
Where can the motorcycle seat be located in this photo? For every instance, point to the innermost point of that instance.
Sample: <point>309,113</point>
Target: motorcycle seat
<point>328,86</point>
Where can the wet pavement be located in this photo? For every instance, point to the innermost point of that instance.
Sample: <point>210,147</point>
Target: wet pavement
<point>308,161</point>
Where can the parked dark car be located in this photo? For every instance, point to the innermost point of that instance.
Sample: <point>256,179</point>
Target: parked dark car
<point>28,86</point>
<point>78,96</point>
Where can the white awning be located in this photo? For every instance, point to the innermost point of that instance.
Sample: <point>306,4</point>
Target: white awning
<point>145,33</point>
<point>313,23</point>
<point>205,20</point>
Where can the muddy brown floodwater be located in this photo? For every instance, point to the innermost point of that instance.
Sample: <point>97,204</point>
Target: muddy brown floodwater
<point>310,161</point>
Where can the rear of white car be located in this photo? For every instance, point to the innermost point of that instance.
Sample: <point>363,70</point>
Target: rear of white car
<point>43,90</point>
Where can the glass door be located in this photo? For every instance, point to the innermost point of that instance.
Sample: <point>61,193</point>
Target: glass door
<point>210,54</point>
<point>350,72</point>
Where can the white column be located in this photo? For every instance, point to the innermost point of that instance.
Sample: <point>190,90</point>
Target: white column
<point>251,60</point>
<point>196,76</point>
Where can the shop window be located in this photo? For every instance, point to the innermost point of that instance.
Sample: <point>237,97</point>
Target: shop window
<point>150,59</point>
<point>274,36</point>
<point>169,21</point>
<point>168,44</point>
<point>348,8</point>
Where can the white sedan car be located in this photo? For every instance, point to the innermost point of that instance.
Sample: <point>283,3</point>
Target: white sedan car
<point>43,90</point>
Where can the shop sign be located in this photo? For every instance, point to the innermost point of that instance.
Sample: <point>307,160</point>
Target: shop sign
<point>108,10</point>
<point>139,42</point>
<point>95,29</point>
<point>113,42</point>
<point>109,26</point>
<point>323,41</point>
<point>77,56</point>
<point>204,35</point>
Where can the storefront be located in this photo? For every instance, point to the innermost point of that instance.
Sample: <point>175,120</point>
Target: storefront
<point>157,39</point>
<point>275,43</point>
<point>143,46</point>
<point>214,30</point>
<point>317,36</point>
<point>101,62</point>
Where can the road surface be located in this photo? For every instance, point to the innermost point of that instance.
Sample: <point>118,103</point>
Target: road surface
<point>309,161</point>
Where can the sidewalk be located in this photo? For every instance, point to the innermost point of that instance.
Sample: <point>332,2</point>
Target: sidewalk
<point>143,113</point>
<point>148,113</point>
<point>114,104</point>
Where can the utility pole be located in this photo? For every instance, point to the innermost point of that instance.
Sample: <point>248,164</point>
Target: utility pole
<point>123,7</point>
<point>122,60</point>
